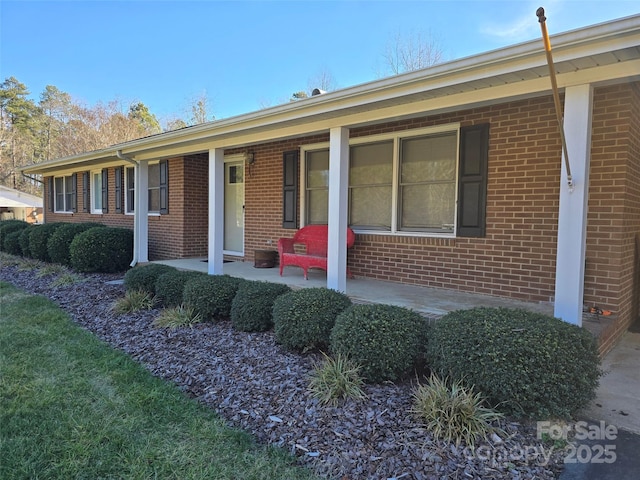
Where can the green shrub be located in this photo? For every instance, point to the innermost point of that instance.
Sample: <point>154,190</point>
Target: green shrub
<point>102,249</point>
<point>170,286</point>
<point>388,341</point>
<point>10,226</point>
<point>251,309</point>
<point>38,239</point>
<point>12,242</point>
<point>525,363</point>
<point>25,234</point>
<point>337,378</point>
<point>144,277</point>
<point>303,319</point>
<point>211,295</point>
<point>452,411</point>
<point>60,241</point>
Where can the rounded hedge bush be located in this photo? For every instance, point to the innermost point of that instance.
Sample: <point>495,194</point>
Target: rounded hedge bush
<point>38,239</point>
<point>211,295</point>
<point>102,249</point>
<point>170,286</point>
<point>386,340</point>
<point>525,363</point>
<point>25,244</point>
<point>12,243</point>
<point>251,309</point>
<point>303,319</point>
<point>144,277</point>
<point>60,241</point>
<point>10,226</point>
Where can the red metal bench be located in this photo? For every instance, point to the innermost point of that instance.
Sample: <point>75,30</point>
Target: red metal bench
<point>314,238</point>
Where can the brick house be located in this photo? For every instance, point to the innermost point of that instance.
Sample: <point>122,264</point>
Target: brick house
<point>451,177</point>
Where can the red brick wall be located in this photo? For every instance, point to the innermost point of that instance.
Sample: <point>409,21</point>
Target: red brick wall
<point>166,239</point>
<point>613,255</point>
<point>517,256</point>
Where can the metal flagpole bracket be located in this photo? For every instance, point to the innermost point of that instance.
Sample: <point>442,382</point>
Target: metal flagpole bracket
<point>556,97</point>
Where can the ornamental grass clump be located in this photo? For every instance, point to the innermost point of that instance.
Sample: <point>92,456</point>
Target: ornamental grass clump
<point>453,412</point>
<point>525,363</point>
<point>134,301</point>
<point>388,341</point>
<point>336,379</point>
<point>251,309</point>
<point>175,317</point>
<point>303,319</point>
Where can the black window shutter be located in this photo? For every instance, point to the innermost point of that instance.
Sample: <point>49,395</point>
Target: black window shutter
<point>290,189</point>
<point>51,193</point>
<point>472,180</point>
<point>86,198</point>
<point>105,190</point>
<point>118,189</point>
<point>164,187</point>
<point>74,192</point>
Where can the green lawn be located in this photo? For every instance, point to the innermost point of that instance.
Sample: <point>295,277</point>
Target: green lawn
<point>73,407</point>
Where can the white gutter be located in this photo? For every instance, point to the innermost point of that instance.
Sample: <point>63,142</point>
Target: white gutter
<point>136,215</point>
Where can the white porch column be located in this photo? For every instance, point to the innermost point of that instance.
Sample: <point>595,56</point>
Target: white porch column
<point>338,208</point>
<point>216,211</point>
<point>572,217</point>
<point>141,210</point>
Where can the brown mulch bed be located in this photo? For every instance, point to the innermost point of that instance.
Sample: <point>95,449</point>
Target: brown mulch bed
<point>256,385</point>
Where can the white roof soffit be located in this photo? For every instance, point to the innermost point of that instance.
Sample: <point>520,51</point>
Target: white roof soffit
<point>601,53</point>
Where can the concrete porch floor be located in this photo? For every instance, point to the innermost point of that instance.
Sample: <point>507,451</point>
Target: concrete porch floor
<point>432,302</point>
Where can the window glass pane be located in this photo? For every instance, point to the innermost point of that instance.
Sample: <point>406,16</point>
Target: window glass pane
<point>428,206</point>
<point>371,164</point>
<point>318,169</point>
<point>371,207</point>
<point>68,193</point>
<point>154,175</point>
<point>130,189</point>
<point>317,206</point>
<point>428,159</point>
<point>59,192</point>
<point>97,191</point>
<point>154,199</point>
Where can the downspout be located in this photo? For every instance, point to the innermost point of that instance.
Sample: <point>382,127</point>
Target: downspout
<point>136,216</point>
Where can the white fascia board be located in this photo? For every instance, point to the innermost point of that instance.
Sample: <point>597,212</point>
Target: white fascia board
<point>459,101</point>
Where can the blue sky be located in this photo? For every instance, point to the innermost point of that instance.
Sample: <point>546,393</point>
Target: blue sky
<point>248,55</point>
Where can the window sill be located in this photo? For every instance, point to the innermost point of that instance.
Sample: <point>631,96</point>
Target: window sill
<point>387,233</point>
<point>63,213</point>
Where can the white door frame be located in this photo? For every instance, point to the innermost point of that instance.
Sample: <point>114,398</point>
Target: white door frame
<point>237,158</point>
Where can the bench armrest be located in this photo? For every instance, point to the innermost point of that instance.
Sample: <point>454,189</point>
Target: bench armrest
<point>285,245</point>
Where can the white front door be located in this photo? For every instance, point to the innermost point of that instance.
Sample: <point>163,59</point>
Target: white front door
<point>234,208</point>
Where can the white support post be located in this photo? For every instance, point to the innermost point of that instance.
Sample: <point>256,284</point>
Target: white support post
<point>141,200</point>
<point>216,211</point>
<point>572,217</point>
<point>338,208</point>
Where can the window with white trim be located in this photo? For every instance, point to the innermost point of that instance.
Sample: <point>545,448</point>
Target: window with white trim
<point>401,182</point>
<point>157,188</point>
<point>96,191</point>
<point>64,191</point>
